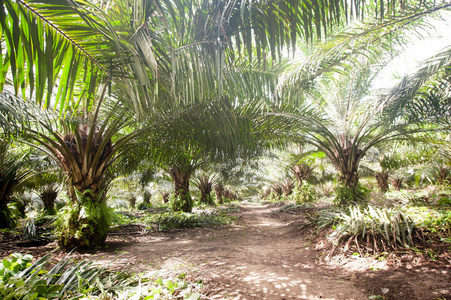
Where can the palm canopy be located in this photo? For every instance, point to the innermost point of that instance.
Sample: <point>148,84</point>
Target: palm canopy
<point>425,95</point>
<point>335,107</point>
<point>59,51</point>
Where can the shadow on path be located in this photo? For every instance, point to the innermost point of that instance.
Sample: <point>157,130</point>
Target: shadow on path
<point>260,257</point>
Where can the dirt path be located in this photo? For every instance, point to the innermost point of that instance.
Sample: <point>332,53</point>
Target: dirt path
<point>260,257</point>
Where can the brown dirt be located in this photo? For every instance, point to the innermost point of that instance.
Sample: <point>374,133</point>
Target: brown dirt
<point>268,256</point>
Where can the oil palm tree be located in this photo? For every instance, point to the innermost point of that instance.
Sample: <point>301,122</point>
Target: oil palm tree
<point>336,110</point>
<point>205,185</point>
<point>46,182</point>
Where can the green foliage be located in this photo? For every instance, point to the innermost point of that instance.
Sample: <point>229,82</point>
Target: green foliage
<point>163,219</point>
<point>306,194</point>
<point>163,289</point>
<point>186,220</point>
<point>9,215</point>
<point>348,195</point>
<point>390,225</point>
<point>13,266</point>
<point>209,200</point>
<point>440,224</point>
<point>144,206</point>
<point>67,279</point>
<point>444,201</point>
<point>33,281</point>
<point>324,218</point>
<point>83,226</point>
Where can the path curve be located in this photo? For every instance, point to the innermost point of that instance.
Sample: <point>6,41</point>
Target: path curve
<point>260,257</point>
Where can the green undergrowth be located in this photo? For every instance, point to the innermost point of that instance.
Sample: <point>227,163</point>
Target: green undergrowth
<point>165,220</point>
<point>70,279</point>
<point>372,230</point>
<point>181,220</point>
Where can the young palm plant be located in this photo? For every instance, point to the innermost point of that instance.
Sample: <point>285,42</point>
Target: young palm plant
<point>205,185</point>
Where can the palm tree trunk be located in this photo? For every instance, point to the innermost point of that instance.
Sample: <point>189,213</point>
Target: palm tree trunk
<point>302,172</point>
<point>88,221</point>
<point>397,183</point>
<point>48,197</point>
<point>182,199</point>
<point>382,181</point>
<point>349,179</point>
<point>219,190</point>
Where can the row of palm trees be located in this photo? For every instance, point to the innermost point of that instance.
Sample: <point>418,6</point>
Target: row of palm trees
<point>94,84</point>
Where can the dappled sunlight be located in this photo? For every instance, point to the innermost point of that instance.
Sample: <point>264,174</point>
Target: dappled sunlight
<point>270,224</point>
<point>259,257</point>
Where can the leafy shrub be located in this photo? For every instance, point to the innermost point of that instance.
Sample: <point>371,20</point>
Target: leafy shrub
<point>306,194</point>
<point>444,201</point>
<point>144,206</point>
<point>12,267</point>
<point>439,224</point>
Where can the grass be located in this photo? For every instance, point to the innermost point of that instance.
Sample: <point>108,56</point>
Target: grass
<point>165,220</point>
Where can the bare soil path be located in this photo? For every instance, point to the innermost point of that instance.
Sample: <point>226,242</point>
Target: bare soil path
<point>264,255</point>
<point>260,257</point>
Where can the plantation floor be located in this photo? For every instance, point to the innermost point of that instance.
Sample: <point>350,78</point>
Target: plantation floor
<point>273,256</point>
<point>270,256</point>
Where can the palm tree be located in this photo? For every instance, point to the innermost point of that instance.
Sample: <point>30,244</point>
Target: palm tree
<point>336,110</point>
<point>219,191</point>
<point>205,185</point>
<point>46,182</point>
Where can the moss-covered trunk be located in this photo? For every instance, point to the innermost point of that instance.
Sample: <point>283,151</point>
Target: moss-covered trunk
<point>182,198</point>
<point>87,220</point>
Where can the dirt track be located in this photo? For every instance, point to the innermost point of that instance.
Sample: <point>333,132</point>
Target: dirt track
<point>261,257</point>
